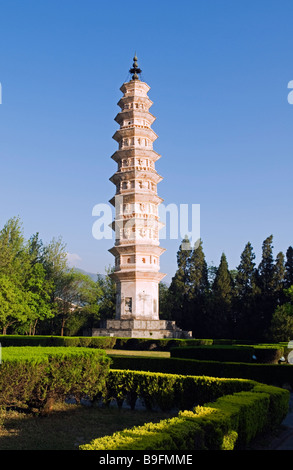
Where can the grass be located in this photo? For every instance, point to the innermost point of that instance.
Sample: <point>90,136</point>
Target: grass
<point>125,352</point>
<point>67,426</point>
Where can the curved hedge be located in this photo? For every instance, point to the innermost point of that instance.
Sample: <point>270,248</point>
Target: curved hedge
<point>272,374</point>
<point>231,353</point>
<point>228,423</point>
<point>168,391</point>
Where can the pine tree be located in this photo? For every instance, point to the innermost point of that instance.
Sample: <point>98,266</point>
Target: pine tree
<point>180,285</point>
<point>245,290</point>
<point>245,278</point>
<point>279,277</point>
<point>289,268</point>
<point>266,301</point>
<point>198,291</point>
<point>266,267</point>
<point>222,300</point>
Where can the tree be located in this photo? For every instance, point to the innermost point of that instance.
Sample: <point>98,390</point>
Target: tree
<point>14,259</point>
<point>14,304</point>
<point>39,289</point>
<point>289,268</point>
<point>164,304</point>
<point>245,294</point>
<point>279,278</point>
<point>75,292</point>
<point>265,276</point>
<point>198,291</point>
<point>266,268</point>
<point>245,277</point>
<point>107,299</point>
<point>180,285</point>
<point>54,260</point>
<point>222,291</point>
<point>282,320</point>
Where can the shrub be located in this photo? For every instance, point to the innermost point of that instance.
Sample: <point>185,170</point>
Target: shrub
<point>230,353</point>
<point>167,391</point>
<point>229,422</point>
<point>271,374</point>
<point>32,376</point>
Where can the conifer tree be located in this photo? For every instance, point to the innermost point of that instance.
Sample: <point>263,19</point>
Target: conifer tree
<point>245,272</point>
<point>198,291</point>
<point>279,277</point>
<point>266,267</point>
<point>245,290</point>
<point>222,300</point>
<point>267,288</point>
<point>180,285</point>
<point>289,268</point>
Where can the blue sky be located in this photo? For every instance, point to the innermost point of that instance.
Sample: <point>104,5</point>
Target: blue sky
<point>218,72</point>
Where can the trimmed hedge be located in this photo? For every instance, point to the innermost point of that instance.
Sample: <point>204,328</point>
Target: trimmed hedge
<point>272,374</point>
<point>34,376</point>
<point>228,423</point>
<point>167,391</point>
<point>102,342</point>
<point>228,353</point>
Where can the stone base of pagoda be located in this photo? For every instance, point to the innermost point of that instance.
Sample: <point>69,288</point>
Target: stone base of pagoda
<point>133,328</point>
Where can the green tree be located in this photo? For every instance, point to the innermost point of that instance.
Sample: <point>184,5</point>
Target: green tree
<point>289,268</point>
<point>14,304</point>
<point>222,291</point>
<point>265,276</point>
<point>164,309</point>
<point>198,291</point>
<point>282,320</point>
<point>14,258</point>
<point>76,293</point>
<point>266,268</point>
<point>180,284</point>
<point>279,278</point>
<point>245,294</point>
<point>39,290</point>
<point>107,299</point>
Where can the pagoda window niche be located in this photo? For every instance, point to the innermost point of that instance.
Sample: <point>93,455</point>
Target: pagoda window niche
<point>128,304</point>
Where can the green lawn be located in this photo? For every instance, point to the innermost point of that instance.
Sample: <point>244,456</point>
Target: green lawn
<point>125,352</point>
<point>67,427</point>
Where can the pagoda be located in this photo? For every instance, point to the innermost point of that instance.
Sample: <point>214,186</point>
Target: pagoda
<point>137,248</point>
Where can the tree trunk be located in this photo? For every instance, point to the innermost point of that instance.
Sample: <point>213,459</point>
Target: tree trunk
<point>62,326</point>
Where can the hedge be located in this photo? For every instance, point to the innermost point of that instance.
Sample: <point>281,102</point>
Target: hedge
<point>228,353</point>
<point>34,377</point>
<point>102,342</point>
<point>230,422</point>
<point>167,391</point>
<point>272,374</point>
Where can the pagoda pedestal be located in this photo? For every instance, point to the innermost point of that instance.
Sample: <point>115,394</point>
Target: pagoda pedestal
<point>148,328</point>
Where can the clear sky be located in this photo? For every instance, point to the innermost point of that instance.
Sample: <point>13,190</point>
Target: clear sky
<point>219,74</point>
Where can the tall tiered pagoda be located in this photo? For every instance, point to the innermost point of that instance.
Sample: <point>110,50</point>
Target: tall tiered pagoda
<point>137,249</point>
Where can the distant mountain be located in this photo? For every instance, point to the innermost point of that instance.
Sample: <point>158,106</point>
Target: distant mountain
<point>91,275</point>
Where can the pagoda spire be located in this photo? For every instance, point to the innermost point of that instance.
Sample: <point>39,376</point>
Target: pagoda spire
<point>135,70</point>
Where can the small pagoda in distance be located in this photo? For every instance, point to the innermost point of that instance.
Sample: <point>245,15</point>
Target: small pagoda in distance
<point>137,248</point>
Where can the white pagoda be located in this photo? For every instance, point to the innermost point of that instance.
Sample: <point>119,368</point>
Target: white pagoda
<point>137,248</point>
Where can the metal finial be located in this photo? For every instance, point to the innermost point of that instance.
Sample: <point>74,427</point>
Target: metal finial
<point>135,70</point>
